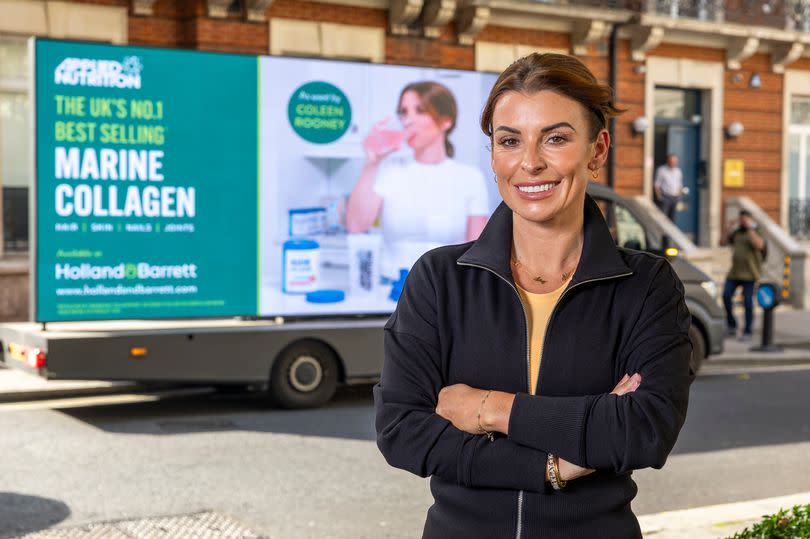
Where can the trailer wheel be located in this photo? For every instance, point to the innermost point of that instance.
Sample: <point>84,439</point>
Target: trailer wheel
<point>304,375</point>
<point>698,348</point>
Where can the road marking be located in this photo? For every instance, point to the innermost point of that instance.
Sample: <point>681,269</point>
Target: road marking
<point>77,402</point>
<point>103,400</point>
<point>718,370</point>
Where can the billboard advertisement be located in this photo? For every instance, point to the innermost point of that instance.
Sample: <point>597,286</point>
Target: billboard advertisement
<point>363,169</point>
<point>176,184</point>
<point>146,181</point>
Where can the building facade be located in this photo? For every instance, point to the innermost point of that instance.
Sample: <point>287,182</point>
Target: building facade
<point>725,85</point>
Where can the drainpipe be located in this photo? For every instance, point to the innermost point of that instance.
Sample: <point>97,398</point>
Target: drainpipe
<point>613,55</point>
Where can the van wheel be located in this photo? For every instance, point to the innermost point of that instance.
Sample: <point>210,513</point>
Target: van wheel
<point>698,348</point>
<point>304,375</point>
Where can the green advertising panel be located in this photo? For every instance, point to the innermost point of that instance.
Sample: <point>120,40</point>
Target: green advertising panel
<point>146,183</point>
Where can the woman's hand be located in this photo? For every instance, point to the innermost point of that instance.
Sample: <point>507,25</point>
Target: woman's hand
<point>570,471</point>
<point>459,404</point>
<point>628,384</point>
<point>381,141</point>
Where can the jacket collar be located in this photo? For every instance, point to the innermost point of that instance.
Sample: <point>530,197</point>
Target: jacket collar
<point>600,256</point>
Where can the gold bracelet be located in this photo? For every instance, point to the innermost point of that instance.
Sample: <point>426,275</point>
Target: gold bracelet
<point>480,411</point>
<point>553,467</point>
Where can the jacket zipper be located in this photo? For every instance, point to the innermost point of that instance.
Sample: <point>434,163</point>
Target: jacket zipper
<point>559,300</point>
<point>519,530</point>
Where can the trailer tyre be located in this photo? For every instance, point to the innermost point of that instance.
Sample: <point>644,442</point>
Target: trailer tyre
<point>304,375</point>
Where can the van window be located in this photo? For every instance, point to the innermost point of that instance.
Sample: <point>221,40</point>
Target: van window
<point>629,232</point>
<point>625,229</point>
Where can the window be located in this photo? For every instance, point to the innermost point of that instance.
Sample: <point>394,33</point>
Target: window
<point>799,167</point>
<point>800,110</point>
<point>676,103</point>
<point>15,142</point>
<point>625,229</point>
<point>629,232</point>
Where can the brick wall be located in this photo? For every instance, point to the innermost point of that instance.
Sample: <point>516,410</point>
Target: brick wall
<point>443,51</point>
<point>760,145</point>
<point>525,36</point>
<point>677,50</point>
<point>185,24</point>
<point>629,147</point>
<point>315,11</point>
<point>801,63</point>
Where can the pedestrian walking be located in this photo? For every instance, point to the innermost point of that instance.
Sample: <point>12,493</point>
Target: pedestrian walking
<point>669,186</point>
<point>529,372</point>
<point>748,250</point>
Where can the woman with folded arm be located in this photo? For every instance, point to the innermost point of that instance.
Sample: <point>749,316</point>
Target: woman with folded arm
<point>529,372</point>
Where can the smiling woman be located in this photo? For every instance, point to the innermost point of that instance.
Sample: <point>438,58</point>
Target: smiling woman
<point>541,356</point>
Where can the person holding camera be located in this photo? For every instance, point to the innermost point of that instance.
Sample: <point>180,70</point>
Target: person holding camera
<point>748,254</point>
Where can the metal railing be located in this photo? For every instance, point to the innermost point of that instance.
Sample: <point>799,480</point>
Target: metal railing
<point>781,14</point>
<point>799,218</point>
<point>703,10</point>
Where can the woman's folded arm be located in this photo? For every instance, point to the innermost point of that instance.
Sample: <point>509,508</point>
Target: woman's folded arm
<point>411,436</point>
<point>632,431</point>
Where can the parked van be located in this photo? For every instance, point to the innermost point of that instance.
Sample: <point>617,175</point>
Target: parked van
<point>634,228</point>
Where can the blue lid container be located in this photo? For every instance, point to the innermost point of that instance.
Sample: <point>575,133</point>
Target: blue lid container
<point>299,270</point>
<point>326,296</point>
<point>300,245</point>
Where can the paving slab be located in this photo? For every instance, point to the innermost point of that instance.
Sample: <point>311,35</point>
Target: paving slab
<point>203,525</point>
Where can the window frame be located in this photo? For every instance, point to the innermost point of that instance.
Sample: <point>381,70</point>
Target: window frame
<point>20,86</point>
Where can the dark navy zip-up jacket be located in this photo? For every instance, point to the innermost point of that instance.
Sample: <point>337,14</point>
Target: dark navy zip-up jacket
<point>460,320</point>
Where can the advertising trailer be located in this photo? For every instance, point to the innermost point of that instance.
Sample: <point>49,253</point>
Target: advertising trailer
<point>235,219</point>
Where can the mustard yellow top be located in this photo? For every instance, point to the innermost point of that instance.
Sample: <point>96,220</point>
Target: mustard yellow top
<point>538,311</point>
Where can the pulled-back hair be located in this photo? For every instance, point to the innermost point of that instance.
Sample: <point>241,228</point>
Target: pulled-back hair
<point>439,102</point>
<point>559,73</point>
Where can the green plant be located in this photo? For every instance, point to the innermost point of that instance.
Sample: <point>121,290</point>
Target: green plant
<point>793,524</point>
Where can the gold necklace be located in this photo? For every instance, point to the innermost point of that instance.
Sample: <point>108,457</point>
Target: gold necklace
<point>539,278</point>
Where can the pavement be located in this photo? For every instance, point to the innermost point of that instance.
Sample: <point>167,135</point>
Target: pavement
<point>792,332</point>
<point>715,521</point>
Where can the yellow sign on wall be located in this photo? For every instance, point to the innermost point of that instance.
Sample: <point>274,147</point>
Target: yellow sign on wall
<point>734,173</point>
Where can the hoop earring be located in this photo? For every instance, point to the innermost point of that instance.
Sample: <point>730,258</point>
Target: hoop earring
<point>595,174</point>
<point>495,178</point>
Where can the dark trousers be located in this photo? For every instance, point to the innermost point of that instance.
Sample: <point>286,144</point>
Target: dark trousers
<point>748,301</point>
<point>669,205</point>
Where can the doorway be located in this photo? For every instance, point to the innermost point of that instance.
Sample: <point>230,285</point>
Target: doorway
<point>678,122</point>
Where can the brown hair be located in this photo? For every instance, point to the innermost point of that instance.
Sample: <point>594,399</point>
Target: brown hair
<point>558,73</point>
<point>438,102</point>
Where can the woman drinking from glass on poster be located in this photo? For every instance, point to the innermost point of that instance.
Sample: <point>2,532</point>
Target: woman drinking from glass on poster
<point>423,200</point>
